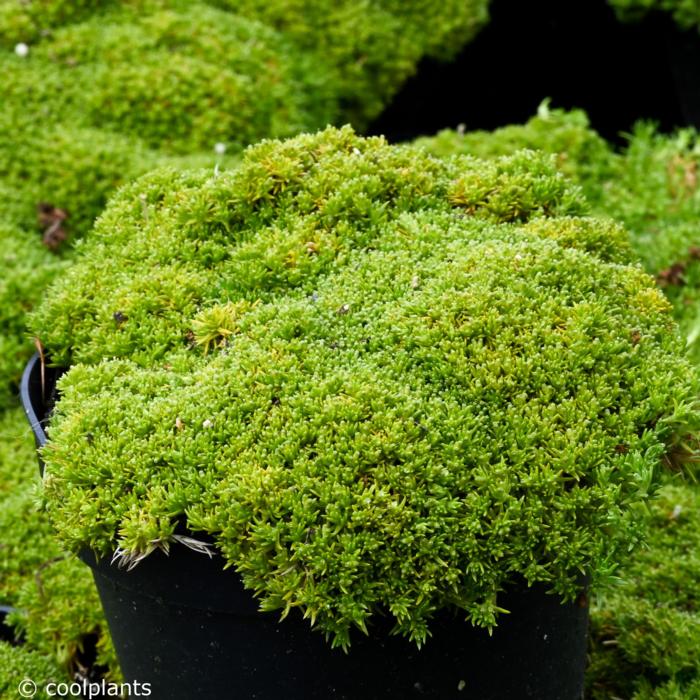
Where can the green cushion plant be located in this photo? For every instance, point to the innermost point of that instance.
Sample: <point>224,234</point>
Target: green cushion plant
<point>656,194</point>
<point>182,79</point>
<point>645,630</point>
<point>581,153</point>
<point>57,610</point>
<point>376,381</point>
<point>651,187</point>
<point>18,665</point>
<point>371,46</point>
<point>90,102</point>
<point>23,22</point>
<point>104,92</point>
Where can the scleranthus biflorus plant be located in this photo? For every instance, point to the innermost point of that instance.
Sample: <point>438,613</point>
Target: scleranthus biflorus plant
<point>379,383</point>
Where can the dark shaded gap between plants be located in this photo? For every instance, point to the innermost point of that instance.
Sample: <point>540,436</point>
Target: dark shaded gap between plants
<point>576,52</point>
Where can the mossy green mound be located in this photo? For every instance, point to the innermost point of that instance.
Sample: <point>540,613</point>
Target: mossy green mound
<point>646,631</point>
<point>30,20</point>
<point>654,192</point>
<point>33,267</point>
<point>346,58</point>
<point>59,614</point>
<point>104,92</point>
<point>371,46</point>
<point>580,152</point>
<point>18,664</point>
<point>383,381</point>
<point>651,187</point>
<point>177,80</point>
<point>284,218</point>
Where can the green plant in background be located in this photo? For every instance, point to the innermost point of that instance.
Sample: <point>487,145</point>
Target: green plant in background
<point>18,664</point>
<point>32,266</point>
<point>429,385</point>
<point>184,79</point>
<point>58,612</point>
<point>686,13</point>
<point>657,195</point>
<point>581,153</point>
<point>22,22</point>
<point>371,46</point>
<point>645,632</point>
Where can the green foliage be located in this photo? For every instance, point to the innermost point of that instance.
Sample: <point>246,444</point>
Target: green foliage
<point>371,46</point>
<point>109,91</point>
<point>70,168</point>
<point>100,102</point>
<point>425,390</point>
<point>607,239</point>
<point>18,664</point>
<point>214,326</point>
<point>178,80</point>
<point>33,267</point>
<point>656,194</point>
<point>29,20</point>
<point>58,606</point>
<point>646,631</point>
<point>581,153</point>
<point>294,215</point>
<point>651,187</point>
<point>685,12</point>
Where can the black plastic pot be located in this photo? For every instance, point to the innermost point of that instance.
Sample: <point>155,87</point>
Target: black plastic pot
<point>37,392</point>
<point>187,626</point>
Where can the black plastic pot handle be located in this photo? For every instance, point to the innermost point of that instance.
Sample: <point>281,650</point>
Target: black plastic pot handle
<point>32,396</point>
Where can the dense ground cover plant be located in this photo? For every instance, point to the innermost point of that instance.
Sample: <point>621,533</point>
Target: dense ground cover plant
<point>580,152</point>
<point>645,631</point>
<point>95,94</point>
<point>58,612</point>
<point>32,266</point>
<point>372,46</point>
<point>384,382</point>
<point>657,195</point>
<point>18,664</point>
<point>29,21</point>
<point>651,186</point>
<point>103,92</point>
<point>185,79</point>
